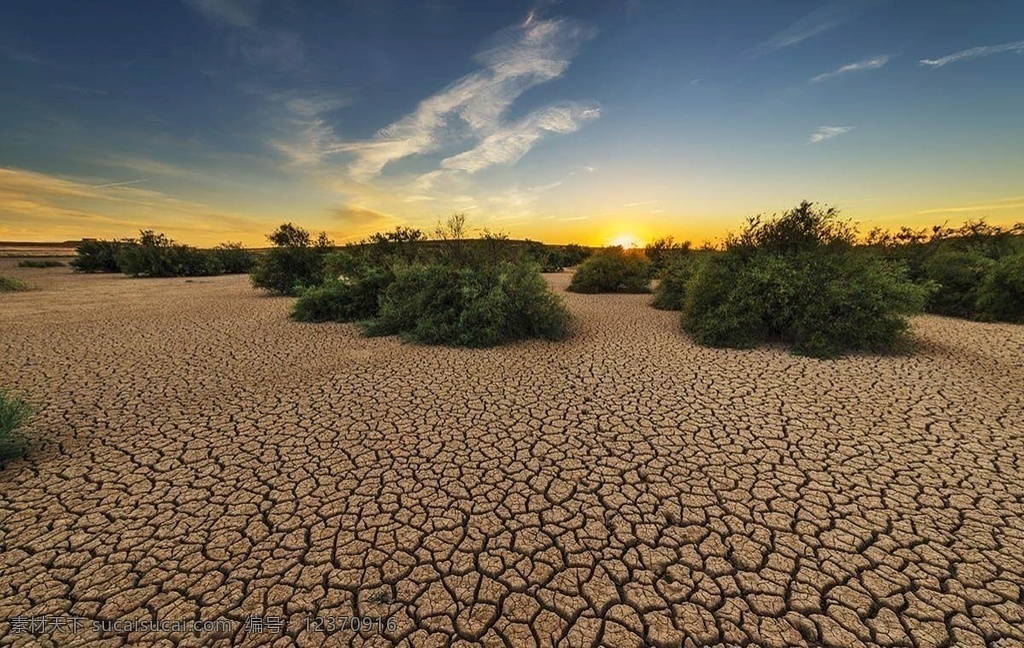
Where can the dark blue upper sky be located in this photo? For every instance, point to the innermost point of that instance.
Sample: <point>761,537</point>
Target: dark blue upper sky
<point>586,120</point>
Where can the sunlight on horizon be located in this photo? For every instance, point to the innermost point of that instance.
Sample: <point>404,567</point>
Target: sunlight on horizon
<point>626,242</point>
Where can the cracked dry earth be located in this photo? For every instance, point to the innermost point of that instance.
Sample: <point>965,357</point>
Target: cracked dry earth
<point>199,456</point>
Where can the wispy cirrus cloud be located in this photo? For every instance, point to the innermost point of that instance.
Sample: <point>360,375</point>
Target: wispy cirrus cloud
<point>995,205</point>
<point>310,135</point>
<point>828,132</point>
<point>974,52</point>
<point>470,109</point>
<point>511,142</point>
<point>823,19</point>
<point>38,203</point>
<point>860,66</point>
<point>123,183</point>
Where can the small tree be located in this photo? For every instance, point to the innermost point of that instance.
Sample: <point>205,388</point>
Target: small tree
<point>294,263</point>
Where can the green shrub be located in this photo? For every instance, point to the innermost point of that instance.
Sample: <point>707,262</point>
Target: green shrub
<point>612,271</point>
<point>802,228</point>
<point>344,299</point>
<point>441,303</point>
<point>37,263</point>
<point>572,255</point>
<point>958,276</point>
<point>1001,294</point>
<point>232,258</point>
<point>956,264</point>
<point>98,256</point>
<point>549,259</point>
<point>294,263</point>
<point>664,252</point>
<point>13,413</point>
<point>721,308</point>
<point>384,247</point>
<point>850,301</point>
<point>797,278</point>
<point>12,284</point>
<point>670,293</point>
<point>155,255</point>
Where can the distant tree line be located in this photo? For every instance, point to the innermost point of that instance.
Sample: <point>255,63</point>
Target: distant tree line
<point>155,255</point>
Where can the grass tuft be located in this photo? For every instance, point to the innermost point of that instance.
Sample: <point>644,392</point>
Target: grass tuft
<point>12,284</point>
<point>13,413</point>
<point>38,263</point>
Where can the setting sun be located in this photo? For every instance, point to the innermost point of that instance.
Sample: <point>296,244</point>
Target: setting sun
<point>626,241</point>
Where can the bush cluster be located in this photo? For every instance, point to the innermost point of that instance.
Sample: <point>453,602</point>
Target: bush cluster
<point>555,258</point>
<point>12,284</point>
<point>470,306</point>
<point>670,293</point>
<point>156,255</point>
<point>13,413</point>
<point>40,263</point>
<point>973,271</point>
<point>663,253</point>
<point>474,293</point>
<point>98,256</point>
<point>798,278</point>
<point>294,263</point>
<point>613,270</point>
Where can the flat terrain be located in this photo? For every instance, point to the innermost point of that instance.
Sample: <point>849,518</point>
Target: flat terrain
<point>199,456</point>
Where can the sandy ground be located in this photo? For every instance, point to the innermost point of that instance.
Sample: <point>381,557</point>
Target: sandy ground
<point>199,456</point>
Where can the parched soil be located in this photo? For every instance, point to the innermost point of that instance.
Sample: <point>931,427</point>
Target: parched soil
<point>199,456</point>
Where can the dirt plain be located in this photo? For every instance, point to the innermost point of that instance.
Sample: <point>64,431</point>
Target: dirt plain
<point>197,455</point>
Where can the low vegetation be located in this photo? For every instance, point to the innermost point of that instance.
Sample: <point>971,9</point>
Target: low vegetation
<point>12,284</point>
<point>460,292</point>
<point>98,256</point>
<point>296,261</point>
<point>474,306</point>
<point>670,294</point>
<point>40,263</point>
<point>663,253</point>
<point>155,255</point>
<point>798,278</point>
<point>613,270</point>
<point>975,271</point>
<point>13,413</point>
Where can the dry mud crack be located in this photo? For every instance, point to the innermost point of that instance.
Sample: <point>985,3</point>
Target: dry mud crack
<point>199,456</point>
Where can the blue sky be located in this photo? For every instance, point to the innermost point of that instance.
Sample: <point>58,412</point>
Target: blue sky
<point>564,121</point>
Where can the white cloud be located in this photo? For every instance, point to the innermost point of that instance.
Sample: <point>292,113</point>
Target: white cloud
<point>473,107</point>
<point>974,52</point>
<point>819,21</point>
<point>828,132</point>
<point>859,66</point>
<point>511,142</point>
<point>310,137</point>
